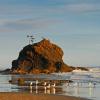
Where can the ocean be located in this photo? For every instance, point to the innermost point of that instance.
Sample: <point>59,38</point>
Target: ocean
<point>84,83</point>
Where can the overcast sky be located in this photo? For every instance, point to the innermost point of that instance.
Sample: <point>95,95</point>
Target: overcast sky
<point>74,25</point>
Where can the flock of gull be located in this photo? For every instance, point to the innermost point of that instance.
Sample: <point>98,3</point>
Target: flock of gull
<point>52,86</point>
<point>47,86</point>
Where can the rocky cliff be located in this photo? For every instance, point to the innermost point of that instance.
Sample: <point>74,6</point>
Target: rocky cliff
<point>41,57</point>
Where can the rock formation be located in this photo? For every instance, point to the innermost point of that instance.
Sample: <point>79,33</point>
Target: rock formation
<point>41,57</point>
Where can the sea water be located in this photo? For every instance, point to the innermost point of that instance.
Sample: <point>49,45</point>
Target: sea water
<point>85,84</point>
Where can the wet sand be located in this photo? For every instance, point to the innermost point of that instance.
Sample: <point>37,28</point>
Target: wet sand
<point>28,96</point>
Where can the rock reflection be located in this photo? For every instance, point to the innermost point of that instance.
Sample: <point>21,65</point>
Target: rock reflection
<point>53,91</point>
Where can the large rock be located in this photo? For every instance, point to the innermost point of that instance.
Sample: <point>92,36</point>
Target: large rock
<point>41,57</point>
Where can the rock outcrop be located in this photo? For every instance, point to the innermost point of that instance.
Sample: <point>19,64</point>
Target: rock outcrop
<point>41,57</point>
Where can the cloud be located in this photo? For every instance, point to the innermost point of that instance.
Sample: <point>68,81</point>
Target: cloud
<point>23,17</point>
<point>49,7</point>
<point>18,10</point>
<point>5,30</point>
<point>69,7</point>
<point>82,7</point>
<point>29,24</point>
<point>73,8</point>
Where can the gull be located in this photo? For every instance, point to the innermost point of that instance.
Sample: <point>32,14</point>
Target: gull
<point>36,83</point>
<point>45,83</point>
<point>48,86</point>
<point>31,87</point>
<point>53,85</point>
<point>31,83</point>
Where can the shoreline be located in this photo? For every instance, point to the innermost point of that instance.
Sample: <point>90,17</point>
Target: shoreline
<point>29,96</point>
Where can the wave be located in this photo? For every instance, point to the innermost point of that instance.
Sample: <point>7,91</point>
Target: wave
<point>94,69</point>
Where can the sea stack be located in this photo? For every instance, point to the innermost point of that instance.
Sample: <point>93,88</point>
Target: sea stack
<point>41,57</point>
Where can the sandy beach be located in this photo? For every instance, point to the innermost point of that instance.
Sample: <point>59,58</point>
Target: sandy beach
<point>27,96</point>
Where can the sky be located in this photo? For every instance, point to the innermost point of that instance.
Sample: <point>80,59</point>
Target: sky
<point>74,25</point>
